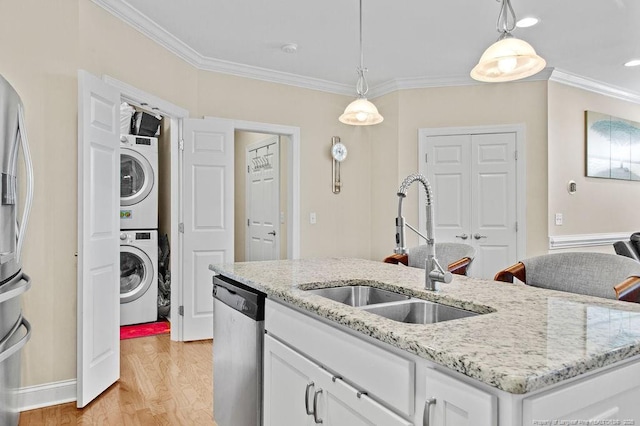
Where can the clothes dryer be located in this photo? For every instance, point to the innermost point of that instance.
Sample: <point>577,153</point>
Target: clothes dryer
<point>138,182</point>
<point>138,276</point>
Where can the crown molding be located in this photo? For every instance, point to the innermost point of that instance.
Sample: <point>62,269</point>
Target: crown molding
<point>144,25</point>
<point>569,79</point>
<point>130,15</point>
<point>444,81</point>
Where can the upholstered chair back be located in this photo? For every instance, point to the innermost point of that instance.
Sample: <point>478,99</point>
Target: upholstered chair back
<point>592,274</point>
<point>446,253</point>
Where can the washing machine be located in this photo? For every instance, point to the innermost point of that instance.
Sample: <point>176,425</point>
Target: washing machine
<point>138,182</point>
<point>138,276</point>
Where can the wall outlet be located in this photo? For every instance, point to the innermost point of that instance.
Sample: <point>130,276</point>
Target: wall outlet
<point>559,219</point>
<point>312,218</point>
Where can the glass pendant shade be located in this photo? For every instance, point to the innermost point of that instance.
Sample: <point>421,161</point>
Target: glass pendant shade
<point>508,59</point>
<point>361,112</point>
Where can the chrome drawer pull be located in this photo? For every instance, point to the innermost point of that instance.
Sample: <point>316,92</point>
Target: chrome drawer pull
<point>306,399</point>
<point>315,407</point>
<point>427,411</point>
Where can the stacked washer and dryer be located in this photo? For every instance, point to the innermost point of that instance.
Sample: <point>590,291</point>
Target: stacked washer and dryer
<point>138,229</point>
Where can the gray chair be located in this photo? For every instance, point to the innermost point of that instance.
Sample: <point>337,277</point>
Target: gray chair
<point>594,274</point>
<point>455,257</point>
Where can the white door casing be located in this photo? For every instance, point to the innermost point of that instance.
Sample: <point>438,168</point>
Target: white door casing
<point>479,192</point>
<point>98,358</point>
<point>263,200</point>
<point>207,217</point>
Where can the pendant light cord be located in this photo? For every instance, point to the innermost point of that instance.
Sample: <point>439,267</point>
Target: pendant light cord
<point>362,87</point>
<point>504,25</point>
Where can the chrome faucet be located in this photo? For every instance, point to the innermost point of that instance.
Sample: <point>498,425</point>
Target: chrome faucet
<point>434,273</point>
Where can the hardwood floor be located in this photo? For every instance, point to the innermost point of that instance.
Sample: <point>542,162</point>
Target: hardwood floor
<point>161,383</point>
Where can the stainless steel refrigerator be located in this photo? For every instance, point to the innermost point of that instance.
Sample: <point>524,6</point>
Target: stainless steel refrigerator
<point>14,328</point>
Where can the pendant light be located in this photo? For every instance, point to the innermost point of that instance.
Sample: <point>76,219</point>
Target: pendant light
<point>508,58</point>
<point>361,112</point>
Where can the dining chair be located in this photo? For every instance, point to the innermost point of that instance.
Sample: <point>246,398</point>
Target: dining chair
<point>456,257</point>
<point>595,274</point>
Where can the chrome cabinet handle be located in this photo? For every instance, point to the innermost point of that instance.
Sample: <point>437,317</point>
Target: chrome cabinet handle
<point>427,411</point>
<point>306,398</point>
<point>315,407</point>
<point>478,236</point>
<point>272,233</point>
<point>463,236</point>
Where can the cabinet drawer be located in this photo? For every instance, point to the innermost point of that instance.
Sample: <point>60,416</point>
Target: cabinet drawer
<point>372,369</point>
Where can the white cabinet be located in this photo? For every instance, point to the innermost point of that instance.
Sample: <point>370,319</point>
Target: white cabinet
<point>610,398</point>
<point>287,383</point>
<point>298,391</point>
<point>451,402</point>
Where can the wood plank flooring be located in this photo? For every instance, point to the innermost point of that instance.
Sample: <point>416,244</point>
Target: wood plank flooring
<point>161,383</point>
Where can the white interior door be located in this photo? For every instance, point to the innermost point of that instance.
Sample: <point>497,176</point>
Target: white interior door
<point>263,200</point>
<point>493,200</point>
<point>98,230</point>
<point>473,178</point>
<point>207,217</point>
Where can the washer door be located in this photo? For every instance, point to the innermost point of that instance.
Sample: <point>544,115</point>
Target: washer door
<point>136,177</point>
<point>136,273</point>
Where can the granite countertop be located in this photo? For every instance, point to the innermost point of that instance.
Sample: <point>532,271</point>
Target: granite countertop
<point>529,338</point>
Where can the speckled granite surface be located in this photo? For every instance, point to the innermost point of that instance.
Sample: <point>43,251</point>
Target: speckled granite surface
<point>528,339</point>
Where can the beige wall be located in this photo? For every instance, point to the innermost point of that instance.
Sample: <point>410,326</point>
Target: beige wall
<point>487,104</point>
<point>58,38</point>
<point>342,227</point>
<point>599,205</point>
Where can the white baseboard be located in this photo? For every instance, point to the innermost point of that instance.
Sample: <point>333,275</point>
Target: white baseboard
<point>586,240</point>
<point>32,397</point>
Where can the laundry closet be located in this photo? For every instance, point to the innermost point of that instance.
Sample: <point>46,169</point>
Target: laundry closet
<point>144,247</point>
<point>194,186</point>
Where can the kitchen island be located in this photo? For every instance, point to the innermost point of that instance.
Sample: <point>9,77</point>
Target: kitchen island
<point>532,355</point>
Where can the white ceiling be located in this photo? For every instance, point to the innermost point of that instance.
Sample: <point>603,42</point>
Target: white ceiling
<point>413,43</point>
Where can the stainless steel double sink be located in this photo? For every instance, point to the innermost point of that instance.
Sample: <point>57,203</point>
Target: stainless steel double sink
<point>394,306</point>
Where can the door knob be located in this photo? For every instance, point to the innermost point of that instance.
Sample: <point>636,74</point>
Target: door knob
<point>478,236</point>
<point>463,236</point>
<point>272,233</point>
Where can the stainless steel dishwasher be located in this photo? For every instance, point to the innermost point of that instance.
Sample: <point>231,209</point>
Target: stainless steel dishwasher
<point>238,333</point>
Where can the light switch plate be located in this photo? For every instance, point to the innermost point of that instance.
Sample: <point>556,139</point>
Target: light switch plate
<point>312,218</point>
<point>559,219</point>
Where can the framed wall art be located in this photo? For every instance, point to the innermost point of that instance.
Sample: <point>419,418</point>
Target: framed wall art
<point>613,147</point>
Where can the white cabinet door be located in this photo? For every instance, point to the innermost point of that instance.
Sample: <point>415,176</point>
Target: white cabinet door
<point>297,391</point>
<point>287,382</point>
<point>608,399</point>
<point>454,403</point>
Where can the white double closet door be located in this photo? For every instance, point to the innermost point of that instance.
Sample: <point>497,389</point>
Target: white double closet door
<point>474,183</point>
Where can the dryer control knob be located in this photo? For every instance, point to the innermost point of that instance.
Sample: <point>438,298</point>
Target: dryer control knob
<point>123,236</point>
<point>123,138</point>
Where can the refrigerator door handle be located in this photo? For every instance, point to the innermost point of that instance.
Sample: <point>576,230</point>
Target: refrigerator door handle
<point>6,353</point>
<point>22,228</point>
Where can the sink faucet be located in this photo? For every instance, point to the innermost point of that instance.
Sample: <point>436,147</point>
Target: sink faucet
<point>434,273</point>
